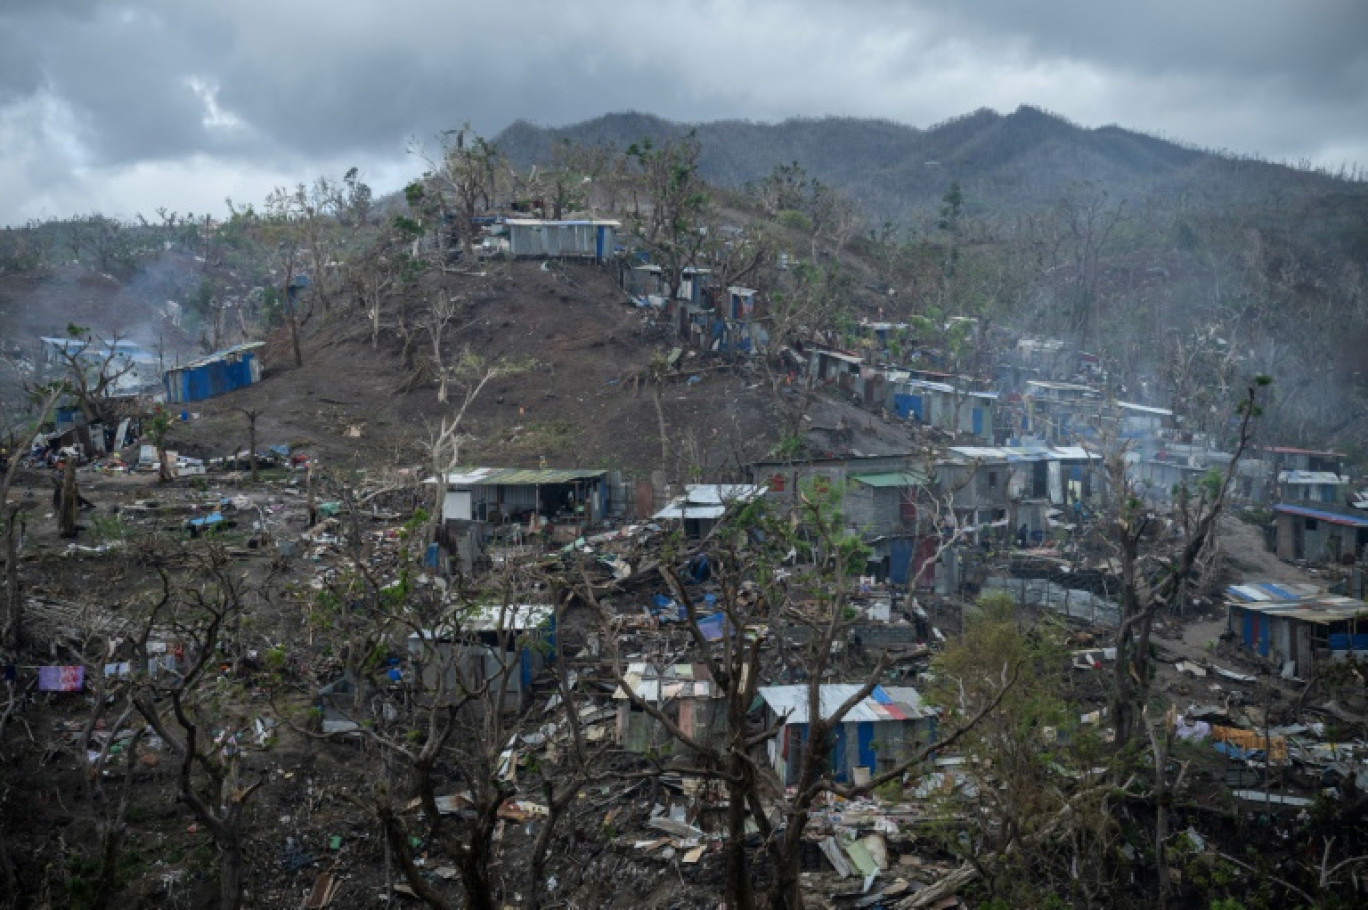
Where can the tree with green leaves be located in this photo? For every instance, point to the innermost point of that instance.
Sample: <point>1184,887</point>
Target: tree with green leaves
<point>465,179</point>
<point>673,228</point>
<point>434,704</point>
<point>157,429</point>
<point>329,219</point>
<point>1037,820</point>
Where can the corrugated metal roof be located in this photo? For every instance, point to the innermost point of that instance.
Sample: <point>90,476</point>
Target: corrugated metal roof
<point>1144,408</point>
<point>1002,453</point>
<point>1061,386</point>
<point>542,222</point>
<point>680,511</point>
<point>67,344</point>
<point>708,500</point>
<point>928,384</point>
<point>1316,477</point>
<point>1022,453</point>
<point>656,684</point>
<point>491,618</point>
<point>1322,610</point>
<point>1073,453</point>
<point>1306,602</point>
<point>99,349</point>
<point>890,479</point>
<point>1289,450</point>
<point>486,477</point>
<point>529,477</point>
<point>722,493</point>
<point>1270,592</point>
<point>884,703</point>
<point>1334,518</point>
<point>220,355</point>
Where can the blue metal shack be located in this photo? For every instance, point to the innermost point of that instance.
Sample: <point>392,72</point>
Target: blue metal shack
<point>221,372</point>
<point>887,727</point>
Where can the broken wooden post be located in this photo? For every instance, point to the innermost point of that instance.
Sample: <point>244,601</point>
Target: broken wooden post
<point>251,439</point>
<point>69,500</point>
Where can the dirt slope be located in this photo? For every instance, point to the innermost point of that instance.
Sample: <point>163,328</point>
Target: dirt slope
<point>579,404</point>
<point>1249,561</point>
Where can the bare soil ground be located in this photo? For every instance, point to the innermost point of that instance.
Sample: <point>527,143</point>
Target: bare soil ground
<point>585,401</point>
<point>1250,560</point>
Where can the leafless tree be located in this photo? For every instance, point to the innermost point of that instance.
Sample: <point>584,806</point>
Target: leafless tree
<point>200,608</point>
<point>754,597</point>
<point>44,400</point>
<point>92,368</point>
<point>252,414</point>
<point>472,374</point>
<point>1143,596</point>
<point>465,177</point>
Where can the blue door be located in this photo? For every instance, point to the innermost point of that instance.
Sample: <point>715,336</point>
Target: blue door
<point>839,771</point>
<point>864,742</point>
<point>905,405</point>
<point>899,559</point>
<point>978,421</point>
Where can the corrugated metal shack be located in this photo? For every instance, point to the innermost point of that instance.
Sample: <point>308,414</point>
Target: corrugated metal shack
<point>1298,624</point>
<point>1321,532</point>
<point>879,732</point>
<point>131,371</point>
<point>217,374</point>
<point>505,645</point>
<point>703,505</point>
<point>519,506</point>
<point>685,693</point>
<point>942,405</point>
<point>535,238</point>
<point>567,495</point>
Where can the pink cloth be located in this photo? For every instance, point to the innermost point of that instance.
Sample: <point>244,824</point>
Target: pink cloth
<point>61,679</point>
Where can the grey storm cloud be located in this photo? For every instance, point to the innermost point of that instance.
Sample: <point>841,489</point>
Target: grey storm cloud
<point>100,100</point>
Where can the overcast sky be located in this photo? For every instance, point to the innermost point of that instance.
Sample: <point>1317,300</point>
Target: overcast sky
<point>122,107</point>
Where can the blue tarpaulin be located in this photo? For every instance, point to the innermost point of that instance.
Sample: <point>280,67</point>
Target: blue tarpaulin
<point>713,627</point>
<point>211,519</point>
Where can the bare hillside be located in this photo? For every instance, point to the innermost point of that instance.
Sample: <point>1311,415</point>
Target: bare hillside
<point>582,400</point>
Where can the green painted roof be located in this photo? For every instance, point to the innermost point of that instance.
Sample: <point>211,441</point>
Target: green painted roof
<point>890,479</point>
<point>488,477</point>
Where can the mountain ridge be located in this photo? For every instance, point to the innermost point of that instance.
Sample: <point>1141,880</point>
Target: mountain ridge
<point>1027,159</point>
